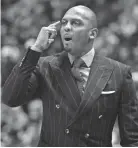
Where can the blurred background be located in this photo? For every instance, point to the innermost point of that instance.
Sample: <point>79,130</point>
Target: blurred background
<point>21,21</point>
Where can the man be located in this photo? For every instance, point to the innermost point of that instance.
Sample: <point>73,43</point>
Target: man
<point>82,92</point>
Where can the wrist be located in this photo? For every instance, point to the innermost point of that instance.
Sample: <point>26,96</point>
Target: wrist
<point>36,48</point>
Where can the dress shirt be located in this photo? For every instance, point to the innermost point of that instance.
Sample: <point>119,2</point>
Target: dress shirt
<point>87,58</point>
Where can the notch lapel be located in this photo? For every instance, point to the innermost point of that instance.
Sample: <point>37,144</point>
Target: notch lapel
<point>100,72</point>
<point>62,71</point>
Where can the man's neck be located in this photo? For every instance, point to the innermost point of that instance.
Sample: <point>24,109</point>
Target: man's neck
<point>82,54</point>
<point>87,58</point>
<point>85,51</point>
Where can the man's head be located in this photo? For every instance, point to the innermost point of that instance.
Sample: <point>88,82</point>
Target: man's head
<point>78,30</point>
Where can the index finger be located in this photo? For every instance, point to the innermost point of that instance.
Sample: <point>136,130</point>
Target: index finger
<point>55,24</point>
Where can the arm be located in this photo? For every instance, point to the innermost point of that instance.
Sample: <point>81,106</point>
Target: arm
<point>23,81</point>
<point>128,112</point>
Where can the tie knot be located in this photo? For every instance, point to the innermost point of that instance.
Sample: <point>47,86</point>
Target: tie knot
<point>79,63</point>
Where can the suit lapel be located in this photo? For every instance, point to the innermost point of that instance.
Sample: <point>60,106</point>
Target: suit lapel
<point>100,72</point>
<point>62,71</point>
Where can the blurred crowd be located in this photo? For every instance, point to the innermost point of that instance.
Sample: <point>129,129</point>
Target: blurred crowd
<point>21,23</point>
<point>21,127</point>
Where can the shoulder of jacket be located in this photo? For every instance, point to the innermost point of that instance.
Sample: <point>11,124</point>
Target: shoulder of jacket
<point>118,64</point>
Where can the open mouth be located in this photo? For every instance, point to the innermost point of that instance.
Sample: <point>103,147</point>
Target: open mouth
<point>68,38</point>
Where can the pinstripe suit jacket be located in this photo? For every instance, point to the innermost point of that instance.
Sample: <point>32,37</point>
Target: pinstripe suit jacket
<point>68,119</point>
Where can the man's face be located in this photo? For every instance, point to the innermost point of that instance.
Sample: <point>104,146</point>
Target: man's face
<point>75,31</point>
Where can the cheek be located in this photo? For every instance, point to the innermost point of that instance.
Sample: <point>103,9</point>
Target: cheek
<point>82,37</point>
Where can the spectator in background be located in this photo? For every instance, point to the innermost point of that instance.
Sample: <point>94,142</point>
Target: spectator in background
<point>9,57</point>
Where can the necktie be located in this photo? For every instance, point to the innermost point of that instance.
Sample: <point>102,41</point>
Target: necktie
<point>78,63</point>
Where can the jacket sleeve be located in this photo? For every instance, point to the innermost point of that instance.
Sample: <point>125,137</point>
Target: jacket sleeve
<point>23,81</point>
<point>128,112</point>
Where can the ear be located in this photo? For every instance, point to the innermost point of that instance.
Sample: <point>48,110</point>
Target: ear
<point>93,33</point>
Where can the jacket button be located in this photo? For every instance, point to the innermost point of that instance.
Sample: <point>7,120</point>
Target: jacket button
<point>87,135</point>
<point>100,116</point>
<point>57,106</point>
<point>67,131</point>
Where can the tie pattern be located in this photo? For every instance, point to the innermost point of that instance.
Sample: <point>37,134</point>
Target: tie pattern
<point>77,64</point>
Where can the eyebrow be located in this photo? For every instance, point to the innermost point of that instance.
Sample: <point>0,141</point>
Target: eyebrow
<point>76,19</point>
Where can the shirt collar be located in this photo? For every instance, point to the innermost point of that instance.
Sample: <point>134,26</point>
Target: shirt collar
<point>87,58</point>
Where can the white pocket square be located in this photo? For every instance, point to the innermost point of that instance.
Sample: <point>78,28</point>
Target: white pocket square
<point>108,92</point>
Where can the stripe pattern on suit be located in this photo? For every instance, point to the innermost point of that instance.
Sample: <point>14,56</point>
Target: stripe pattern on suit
<point>68,119</point>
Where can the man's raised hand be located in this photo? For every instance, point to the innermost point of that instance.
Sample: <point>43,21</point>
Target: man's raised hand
<point>45,37</point>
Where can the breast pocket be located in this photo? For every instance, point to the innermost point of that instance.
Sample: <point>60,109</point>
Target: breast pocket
<point>110,99</point>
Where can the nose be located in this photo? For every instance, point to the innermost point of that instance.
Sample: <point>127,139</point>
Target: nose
<point>67,27</point>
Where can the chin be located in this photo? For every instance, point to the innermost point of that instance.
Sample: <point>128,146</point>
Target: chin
<point>67,49</point>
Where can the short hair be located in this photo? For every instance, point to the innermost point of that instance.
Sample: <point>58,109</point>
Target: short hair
<point>84,7</point>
